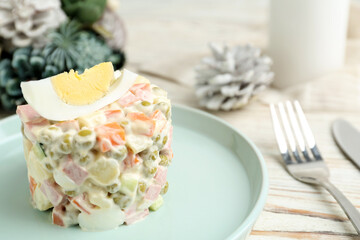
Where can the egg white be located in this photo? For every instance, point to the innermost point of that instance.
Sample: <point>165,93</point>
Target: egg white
<point>43,98</point>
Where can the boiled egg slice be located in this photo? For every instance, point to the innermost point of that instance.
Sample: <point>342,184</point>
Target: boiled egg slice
<point>70,95</point>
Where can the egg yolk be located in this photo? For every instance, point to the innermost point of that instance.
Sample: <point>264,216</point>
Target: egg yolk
<point>81,89</point>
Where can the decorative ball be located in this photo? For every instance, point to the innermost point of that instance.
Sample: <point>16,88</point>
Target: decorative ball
<point>84,11</point>
<point>231,77</point>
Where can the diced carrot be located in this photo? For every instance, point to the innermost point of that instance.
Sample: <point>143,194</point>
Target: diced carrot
<point>142,86</point>
<point>32,185</point>
<point>138,116</point>
<point>160,120</point>
<point>142,91</point>
<point>110,133</point>
<point>113,114</point>
<point>136,160</point>
<point>112,111</point>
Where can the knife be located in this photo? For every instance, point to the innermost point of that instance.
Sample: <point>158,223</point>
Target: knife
<point>347,138</point>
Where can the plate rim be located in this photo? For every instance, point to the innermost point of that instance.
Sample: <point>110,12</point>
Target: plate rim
<point>255,212</point>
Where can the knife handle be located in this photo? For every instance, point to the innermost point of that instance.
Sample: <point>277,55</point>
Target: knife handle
<point>350,210</point>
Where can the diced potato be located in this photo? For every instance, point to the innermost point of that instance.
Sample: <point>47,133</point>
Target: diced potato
<point>100,199</point>
<point>138,143</point>
<point>105,171</point>
<point>64,181</point>
<point>92,120</point>
<point>113,216</point>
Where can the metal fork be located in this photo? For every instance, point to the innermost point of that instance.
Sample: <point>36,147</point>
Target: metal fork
<point>301,155</point>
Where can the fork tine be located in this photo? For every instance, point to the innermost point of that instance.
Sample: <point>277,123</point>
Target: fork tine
<point>288,132</point>
<point>297,130</point>
<point>309,137</point>
<point>279,135</point>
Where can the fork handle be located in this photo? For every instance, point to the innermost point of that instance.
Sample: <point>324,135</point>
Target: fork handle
<point>350,210</point>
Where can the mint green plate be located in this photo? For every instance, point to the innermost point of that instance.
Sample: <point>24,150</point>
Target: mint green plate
<point>218,186</point>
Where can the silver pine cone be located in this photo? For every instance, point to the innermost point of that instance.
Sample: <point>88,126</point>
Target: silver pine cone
<point>25,22</point>
<point>232,76</point>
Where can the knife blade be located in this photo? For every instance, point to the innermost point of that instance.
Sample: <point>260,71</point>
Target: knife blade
<point>347,138</point>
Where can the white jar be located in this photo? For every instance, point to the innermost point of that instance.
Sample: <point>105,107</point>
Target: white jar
<point>306,38</point>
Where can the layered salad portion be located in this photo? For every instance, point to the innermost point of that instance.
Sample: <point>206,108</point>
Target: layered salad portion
<point>97,146</point>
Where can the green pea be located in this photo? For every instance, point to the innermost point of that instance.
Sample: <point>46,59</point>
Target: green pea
<point>84,159</point>
<point>165,139</point>
<point>142,187</point>
<point>152,170</point>
<point>66,142</point>
<point>85,132</point>
<point>70,193</point>
<point>48,166</point>
<point>164,160</point>
<point>113,188</point>
<point>122,200</point>
<point>145,103</point>
<point>165,188</point>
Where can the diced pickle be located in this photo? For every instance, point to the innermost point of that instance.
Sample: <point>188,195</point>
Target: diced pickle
<point>157,204</point>
<point>165,188</point>
<point>157,138</point>
<point>128,184</point>
<point>38,151</point>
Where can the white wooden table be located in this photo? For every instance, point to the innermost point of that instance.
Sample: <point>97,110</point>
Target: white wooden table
<point>167,38</point>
